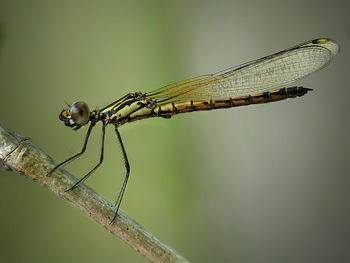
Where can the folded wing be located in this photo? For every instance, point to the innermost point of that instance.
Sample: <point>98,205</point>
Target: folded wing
<point>264,74</point>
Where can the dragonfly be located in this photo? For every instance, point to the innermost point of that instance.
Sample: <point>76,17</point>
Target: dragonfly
<point>264,80</point>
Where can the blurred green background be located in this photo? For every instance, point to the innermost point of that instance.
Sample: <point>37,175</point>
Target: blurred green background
<point>265,183</point>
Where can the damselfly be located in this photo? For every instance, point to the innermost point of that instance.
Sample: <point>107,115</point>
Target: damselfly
<point>260,81</point>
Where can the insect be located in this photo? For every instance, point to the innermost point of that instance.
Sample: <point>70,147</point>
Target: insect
<point>260,81</point>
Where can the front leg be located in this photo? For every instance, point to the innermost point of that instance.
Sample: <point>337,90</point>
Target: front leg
<point>99,163</point>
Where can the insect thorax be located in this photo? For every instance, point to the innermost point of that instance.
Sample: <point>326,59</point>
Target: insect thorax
<point>133,106</point>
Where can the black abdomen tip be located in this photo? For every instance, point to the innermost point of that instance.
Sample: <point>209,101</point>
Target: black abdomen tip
<point>297,91</point>
<point>302,91</point>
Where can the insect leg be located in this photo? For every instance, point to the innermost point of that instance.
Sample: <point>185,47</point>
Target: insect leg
<point>99,163</point>
<point>127,167</point>
<point>64,163</point>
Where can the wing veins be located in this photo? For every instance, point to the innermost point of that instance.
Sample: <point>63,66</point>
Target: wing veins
<point>263,74</point>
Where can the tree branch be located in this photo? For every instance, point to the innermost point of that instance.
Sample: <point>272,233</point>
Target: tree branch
<point>18,154</point>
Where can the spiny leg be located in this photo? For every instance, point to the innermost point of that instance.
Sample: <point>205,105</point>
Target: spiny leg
<point>99,163</point>
<point>127,166</point>
<point>64,163</point>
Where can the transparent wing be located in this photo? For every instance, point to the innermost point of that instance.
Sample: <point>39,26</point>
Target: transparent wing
<point>264,74</point>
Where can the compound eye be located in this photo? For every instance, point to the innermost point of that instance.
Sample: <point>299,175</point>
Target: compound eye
<point>80,113</point>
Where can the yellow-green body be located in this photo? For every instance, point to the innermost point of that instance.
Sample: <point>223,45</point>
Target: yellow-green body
<point>136,106</point>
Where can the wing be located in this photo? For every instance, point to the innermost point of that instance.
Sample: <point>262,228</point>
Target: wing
<point>261,75</point>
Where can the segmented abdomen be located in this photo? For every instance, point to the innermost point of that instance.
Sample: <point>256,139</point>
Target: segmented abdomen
<point>169,109</point>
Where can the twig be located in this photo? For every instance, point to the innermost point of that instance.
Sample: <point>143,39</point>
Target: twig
<point>18,154</point>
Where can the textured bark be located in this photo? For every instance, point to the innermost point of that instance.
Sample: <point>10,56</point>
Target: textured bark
<point>20,155</point>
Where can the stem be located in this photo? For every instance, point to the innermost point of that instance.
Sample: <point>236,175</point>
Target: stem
<point>19,154</point>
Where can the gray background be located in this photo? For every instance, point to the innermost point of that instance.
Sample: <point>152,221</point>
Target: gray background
<point>264,183</point>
